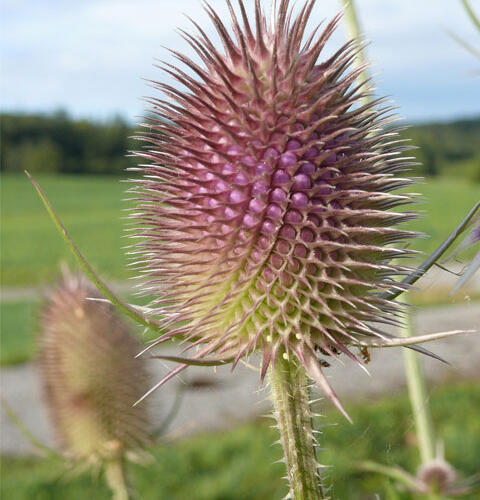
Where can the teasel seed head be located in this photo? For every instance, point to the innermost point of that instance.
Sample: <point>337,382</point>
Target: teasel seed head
<point>90,374</point>
<point>267,206</point>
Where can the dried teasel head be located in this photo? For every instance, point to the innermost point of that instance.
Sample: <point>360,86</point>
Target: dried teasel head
<point>90,374</point>
<point>267,205</point>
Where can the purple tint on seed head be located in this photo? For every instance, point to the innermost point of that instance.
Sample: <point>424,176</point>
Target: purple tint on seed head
<point>307,168</point>
<point>288,232</point>
<point>257,144</point>
<point>307,235</point>
<point>301,182</point>
<point>210,219</point>
<point>288,159</point>
<point>310,153</point>
<point>241,179</point>
<point>279,195</point>
<point>283,247</point>
<point>268,227</point>
<point>313,136</point>
<point>335,205</point>
<point>236,196</point>
<point>299,200</point>
<point>274,211</point>
<point>300,251</point>
<point>270,153</point>
<point>228,169</point>
<point>293,144</point>
<point>209,176</point>
<point>256,205</point>
<point>280,177</point>
<point>249,220</point>
<point>314,220</point>
<point>259,187</point>
<point>234,151</point>
<point>277,136</point>
<point>330,144</point>
<point>331,158</point>
<point>323,187</point>
<point>220,186</point>
<point>315,117</point>
<point>298,127</point>
<point>248,160</point>
<point>263,242</point>
<point>268,275</point>
<point>213,203</point>
<point>225,228</point>
<point>325,175</point>
<point>277,261</point>
<point>256,255</point>
<point>202,190</point>
<point>230,213</point>
<point>293,216</point>
<point>262,168</point>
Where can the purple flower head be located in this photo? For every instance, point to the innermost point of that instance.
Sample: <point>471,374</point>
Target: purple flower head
<point>302,178</point>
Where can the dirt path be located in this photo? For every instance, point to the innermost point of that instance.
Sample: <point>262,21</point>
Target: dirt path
<point>223,399</point>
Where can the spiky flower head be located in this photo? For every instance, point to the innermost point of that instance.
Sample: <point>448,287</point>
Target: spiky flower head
<point>91,377</point>
<point>266,207</point>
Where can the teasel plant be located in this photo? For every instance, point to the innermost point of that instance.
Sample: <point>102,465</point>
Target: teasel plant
<point>267,211</point>
<point>91,380</point>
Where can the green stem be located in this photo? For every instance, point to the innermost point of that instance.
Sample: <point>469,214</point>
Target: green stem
<point>117,479</point>
<point>417,390</point>
<point>354,31</point>
<point>289,387</point>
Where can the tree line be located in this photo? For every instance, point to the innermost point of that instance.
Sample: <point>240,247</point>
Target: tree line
<point>56,143</point>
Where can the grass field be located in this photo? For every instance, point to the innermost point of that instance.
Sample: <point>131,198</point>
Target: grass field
<point>239,464</point>
<point>91,208</point>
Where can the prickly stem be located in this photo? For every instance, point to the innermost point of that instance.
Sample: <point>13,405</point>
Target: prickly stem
<point>290,395</point>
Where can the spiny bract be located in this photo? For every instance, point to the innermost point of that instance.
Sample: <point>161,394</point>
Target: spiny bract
<point>91,376</point>
<point>266,203</point>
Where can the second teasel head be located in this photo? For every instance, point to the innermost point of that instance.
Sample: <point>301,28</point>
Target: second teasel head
<point>90,374</point>
<point>267,208</point>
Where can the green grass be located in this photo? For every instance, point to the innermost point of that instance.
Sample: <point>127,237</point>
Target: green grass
<point>239,465</point>
<point>91,208</point>
<point>18,325</point>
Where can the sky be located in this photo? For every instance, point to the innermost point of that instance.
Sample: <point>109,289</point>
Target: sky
<point>92,57</point>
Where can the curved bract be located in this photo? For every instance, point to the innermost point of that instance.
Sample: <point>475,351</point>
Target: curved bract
<point>267,206</point>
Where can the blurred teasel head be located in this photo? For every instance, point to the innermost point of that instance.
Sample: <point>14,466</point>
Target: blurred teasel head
<point>267,205</point>
<point>90,374</point>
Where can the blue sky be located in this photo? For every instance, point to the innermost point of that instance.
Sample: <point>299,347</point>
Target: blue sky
<point>89,56</point>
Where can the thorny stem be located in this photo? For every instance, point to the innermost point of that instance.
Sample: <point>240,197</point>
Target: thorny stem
<point>290,395</point>
<point>117,479</point>
<point>417,391</point>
